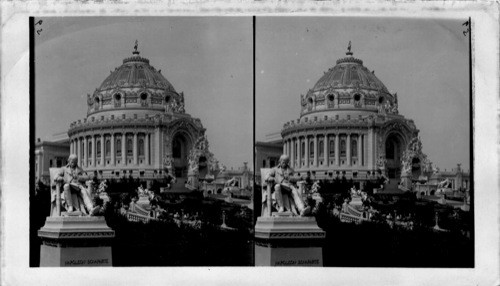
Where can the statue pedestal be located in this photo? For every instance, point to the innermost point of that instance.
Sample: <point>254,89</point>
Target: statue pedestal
<point>75,241</point>
<point>288,241</point>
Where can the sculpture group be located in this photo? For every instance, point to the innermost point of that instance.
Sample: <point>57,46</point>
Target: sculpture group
<point>282,192</point>
<point>71,190</point>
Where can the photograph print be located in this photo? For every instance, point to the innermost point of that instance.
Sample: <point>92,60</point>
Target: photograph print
<point>363,142</point>
<point>143,150</point>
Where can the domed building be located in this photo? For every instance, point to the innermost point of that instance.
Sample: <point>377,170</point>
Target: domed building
<point>136,125</point>
<point>349,125</point>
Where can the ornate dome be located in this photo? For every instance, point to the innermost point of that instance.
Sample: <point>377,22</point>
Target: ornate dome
<point>136,71</point>
<point>347,88</point>
<point>347,73</point>
<point>135,88</point>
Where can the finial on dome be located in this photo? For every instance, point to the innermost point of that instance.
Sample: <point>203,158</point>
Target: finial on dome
<point>136,52</point>
<point>349,53</point>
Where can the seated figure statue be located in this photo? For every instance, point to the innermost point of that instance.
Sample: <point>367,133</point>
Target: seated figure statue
<point>75,196</point>
<point>285,192</point>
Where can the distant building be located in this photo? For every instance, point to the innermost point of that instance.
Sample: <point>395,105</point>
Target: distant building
<point>267,155</point>
<point>49,154</point>
<point>458,182</point>
<point>238,181</point>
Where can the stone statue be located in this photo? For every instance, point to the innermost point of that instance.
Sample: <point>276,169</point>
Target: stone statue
<point>168,161</point>
<point>395,105</point>
<point>75,195</point>
<point>435,169</point>
<point>282,182</point>
<point>381,109</point>
<point>446,183</point>
<point>381,161</point>
<point>223,168</point>
<point>181,103</point>
<point>406,168</point>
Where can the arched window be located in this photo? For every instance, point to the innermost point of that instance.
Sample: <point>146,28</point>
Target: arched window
<point>354,148</point>
<point>118,146</point>
<point>141,147</point>
<point>332,148</point>
<point>311,149</point>
<point>176,148</point>
<point>342,147</point>
<point>98,148</point>
<point>82,149</point>
<point>389,149</point>
<point>130,147</point>
<point>90,149</point>
<point>303,149</point>
<point>321,147</point>
<point>107,148</point>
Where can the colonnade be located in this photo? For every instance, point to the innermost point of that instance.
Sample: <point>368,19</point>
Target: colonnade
<point>344,149</point>
<point>112,149</point>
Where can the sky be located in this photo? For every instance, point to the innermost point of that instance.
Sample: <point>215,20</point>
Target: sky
<point>208,58</point>
<point>426,61</point>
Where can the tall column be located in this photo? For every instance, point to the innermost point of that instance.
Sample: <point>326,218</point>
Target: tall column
<point>93,149</point>
<point>369,149</point>
<point>359,151</point>
<point>287,147</point>
<point>348,149</point>
<point>79,150</point>
<point>85,151</point>
<point>337,150</point>
<point>146,148</point>
<point>306,159</point>
<point>135,148</point>
<point>124,154</point>
<point>284,147</point>
<point>102,149</point>
<point>71,146</point>
<point>112,149</point>
<point>299,152</point>
<point>292,152</point>
<point>315,160</point>
<point>326,144</point>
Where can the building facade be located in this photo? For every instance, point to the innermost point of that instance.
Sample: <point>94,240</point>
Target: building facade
<point>349,125</point>
<point>136,125</point>
<point>49,155</point>
<point>267,155</point>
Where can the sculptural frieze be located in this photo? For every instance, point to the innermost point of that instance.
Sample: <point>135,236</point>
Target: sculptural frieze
<point>413,155</point>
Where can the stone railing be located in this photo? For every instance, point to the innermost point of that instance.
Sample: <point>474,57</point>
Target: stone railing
<point>139,210</point>
<point>138,217</point>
